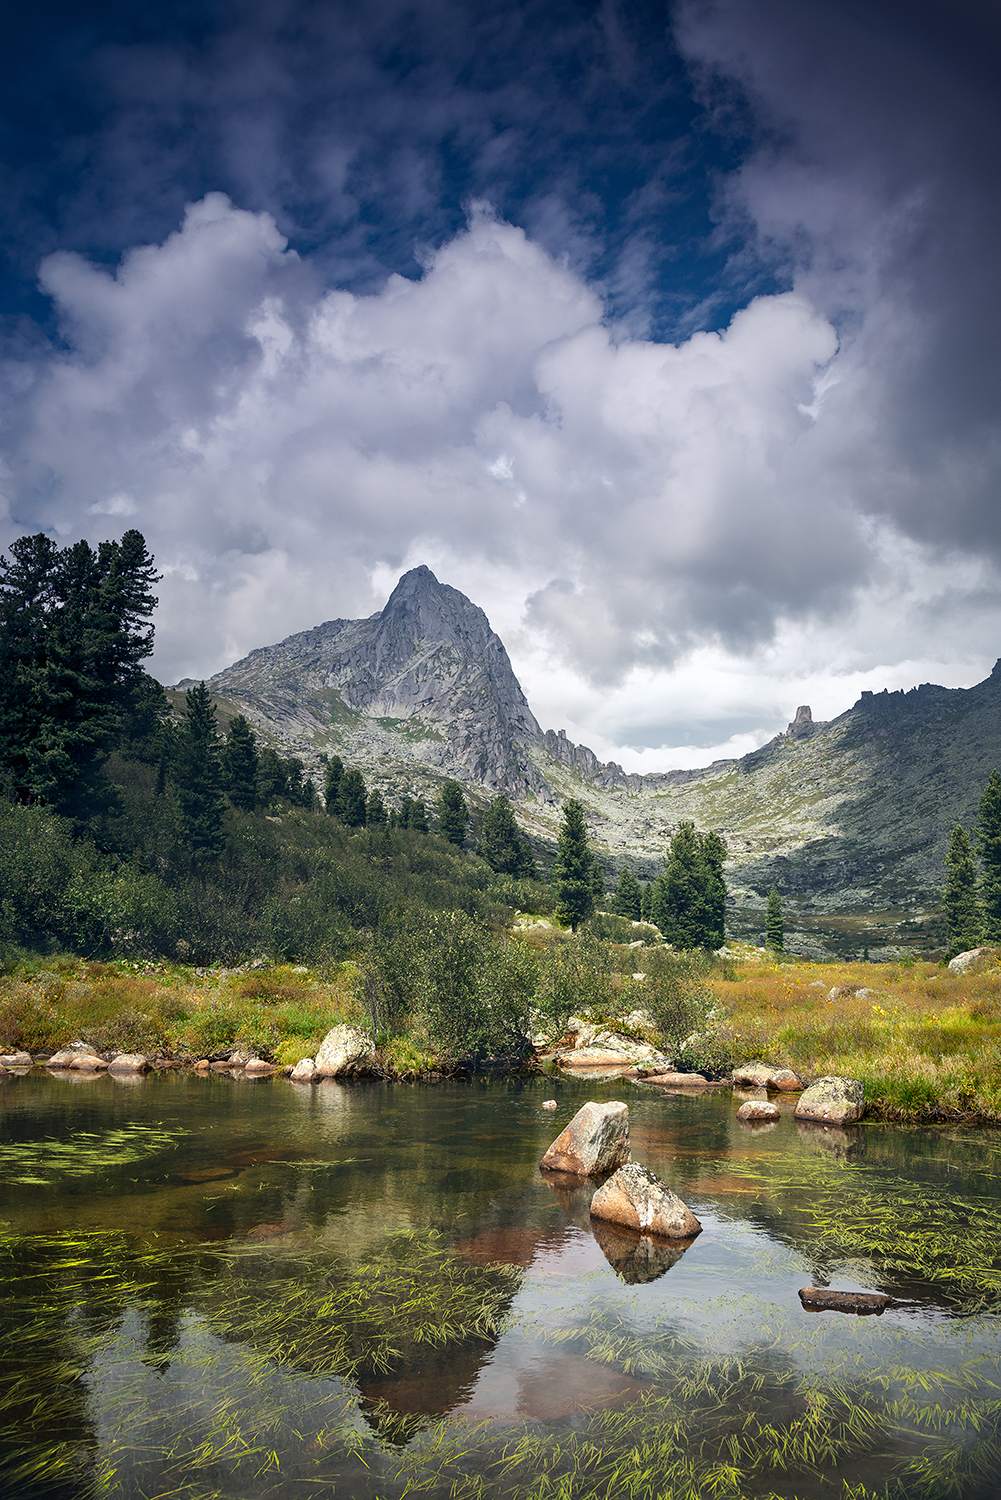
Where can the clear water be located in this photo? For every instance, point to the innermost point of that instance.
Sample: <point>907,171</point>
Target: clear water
<point>218,1287</point>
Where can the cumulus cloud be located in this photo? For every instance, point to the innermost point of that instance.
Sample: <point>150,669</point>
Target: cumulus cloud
<point>674,540</point>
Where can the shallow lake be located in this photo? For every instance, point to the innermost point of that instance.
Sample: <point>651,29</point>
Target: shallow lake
<point>219,1287</point>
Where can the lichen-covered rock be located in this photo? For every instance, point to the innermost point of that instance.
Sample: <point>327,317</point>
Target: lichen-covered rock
<point>304,1071</point>
<point>345,1052</point>
<point>761,1075</point>
<point>637,1198</point>
<point>963,962</point>
<point>128,1062</point>
<point>832,1101</point>
<point>757,1110</point>
<point>595,1141</point>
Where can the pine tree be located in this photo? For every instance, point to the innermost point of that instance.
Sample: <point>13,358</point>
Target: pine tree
<point>989,849</point>
<point>198,777</point>
<point>332,783</point>
<point>572,868</point>
<point>239,765</point>
<point>628,898</point>
<point>688,903</point>
<point>453,814</point>
<point>375,810</point>
<point>714,853</point>
<point>501,841</point>
<point>351,799</point>
<point>646,901</point>
<point>774,924</point>
<point>418,817</point>
<point>272,777</point>
<point>597,881</point>
<point>963,915</point>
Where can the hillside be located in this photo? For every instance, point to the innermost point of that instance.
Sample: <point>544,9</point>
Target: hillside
<point>848,818</point>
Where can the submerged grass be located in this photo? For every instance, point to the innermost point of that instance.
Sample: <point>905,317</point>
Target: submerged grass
<point>47,1162</point>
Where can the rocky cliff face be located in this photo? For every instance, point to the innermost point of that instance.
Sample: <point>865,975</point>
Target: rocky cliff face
<point>424,680</point>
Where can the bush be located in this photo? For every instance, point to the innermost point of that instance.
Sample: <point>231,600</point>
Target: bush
<point>689,1018</point>
<point>573,974</point>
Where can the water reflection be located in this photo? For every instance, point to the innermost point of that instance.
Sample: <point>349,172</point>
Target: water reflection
<point>634,1257</point>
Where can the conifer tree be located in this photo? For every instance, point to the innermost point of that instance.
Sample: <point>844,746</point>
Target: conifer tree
<point>774,924</point>
<point>198,777</point>
<point>989,849</point>
<point>688,903</point>
<point>646,901</point>
<point>418,816</point>
<point>963,915</point>
<point>351,799</point>
<point>597,881</point>
<point>572,868</point>
<point>239,765</point>
<point>272,777</point>
<point>453,814</point>
<point>501,844</point>
<point>375,810</point>
<point>332,783</point>
<point>713,858</point>
<point>628,898</point>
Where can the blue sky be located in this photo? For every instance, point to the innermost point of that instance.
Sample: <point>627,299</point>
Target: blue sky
<point>668,332</point>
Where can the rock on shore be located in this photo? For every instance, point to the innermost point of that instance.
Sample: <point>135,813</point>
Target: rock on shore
<point>346,1051</point>
<point>832,1101</point>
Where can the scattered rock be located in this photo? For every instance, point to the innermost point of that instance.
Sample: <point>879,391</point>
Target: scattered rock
<point>16,1060</point>
<point>820,1299</point>
<point>832,1101</point>
<point>304,1071</point>
<point>673,1080</point>
<point>239,1058</point>
<point>597,1057</point>
<point>636,1198</point>
<point>4,1072</point>
<point>345,1051</point>
<point>755,1075</point>
<point>128,1062</point>
<point>258,1066</point>
<point>756,1110</point>
<point>843,991</point>
<point>65,1057</point>
<point>87,1062</point>
<point>548,1104</point>
<point>786,1081</point>
<point>963,962</point>
<point>595,1141</point>
<point>203,1065</point>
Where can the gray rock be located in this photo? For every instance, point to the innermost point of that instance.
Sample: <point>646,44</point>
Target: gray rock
<point>754,1111</point>
<point>636,1258</point>
<point>345,1052</point>
<point>963,962</point>
<point>637,1199</point>
<point>759,1075</point>
<point>304,1071</point>
<point>832,1101</point>
<point>16,1060</point>
<point>66,1056</point>
<point>595,1141</point>
<point>129,1062</point>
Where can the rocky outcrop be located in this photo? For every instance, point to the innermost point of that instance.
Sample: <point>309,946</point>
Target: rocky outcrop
<point>832,1101</point>
<point>595,1141</point>
<point>345,1052</point>
<point>637,1199</point>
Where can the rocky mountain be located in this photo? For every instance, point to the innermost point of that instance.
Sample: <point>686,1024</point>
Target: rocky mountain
<point>848,818</point>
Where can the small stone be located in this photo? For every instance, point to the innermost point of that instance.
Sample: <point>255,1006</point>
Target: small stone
<point>258,1066</point>
<point>821,1299</point>
<point>129,1062</point>
<point>595,1141</point>
<point>65,1057</point>
<point>548,1104</point>
<point>635,1197</point>
<point>756,1110</point>
<point>678,1080</point>
<point>203,1065</point>
<point>304,1071</point>
<point>16,1060</point>
<point>346,1051</point>
<point>832,1101</point>
<point>87,1062</point>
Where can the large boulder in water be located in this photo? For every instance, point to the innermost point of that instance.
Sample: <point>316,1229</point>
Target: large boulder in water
<point>832,1101</point>
<point>636,1198</point>
<point>345,1052</point>
<point>595,1141</point>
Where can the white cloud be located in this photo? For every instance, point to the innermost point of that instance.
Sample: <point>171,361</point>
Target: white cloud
<point>674,542</point>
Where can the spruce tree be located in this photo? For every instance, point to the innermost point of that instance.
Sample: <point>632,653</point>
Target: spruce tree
<point>714,854</point>
<point>332,783</point>
<point>689,899</point>
<point>963,915</point>
<point>501,841</point>
<point>239,765</point>
<point>453,815</point>
<point>989,849</point>
<point>375,810</point>
<point>198,777</point>
<point>628,898</point>
<point>272,777</point>
<point>774,924</point>
<point>418,816</point>
<point>597,881</point>
<point>646,901</point>
<point>351,799</point>
<point>572,868</point>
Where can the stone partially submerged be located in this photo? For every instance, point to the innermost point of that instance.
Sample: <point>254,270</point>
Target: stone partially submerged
<point>345,1052</point>
<point>757,1111</point>
<point>636,1198</point>
<point>832,1101</point>
<point>595,1141</point>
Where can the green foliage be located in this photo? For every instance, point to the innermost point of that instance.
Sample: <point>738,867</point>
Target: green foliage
<point>240,765</point>
<point>352,799</point>
<point>963,914</point>
<point>572,975</point>
<point>332,784</point>
<point>989,850</point>
<point>453,814</point>
<point>502,844</point>
<point>197,777</point>
<point>688,902</point>
<point>774,924</point>
<point>628,898</point>
<point>597,881</point>
<point>413,814</point>
<point>688,1017</point>
<point>571,878</point>
<point>376,815</point>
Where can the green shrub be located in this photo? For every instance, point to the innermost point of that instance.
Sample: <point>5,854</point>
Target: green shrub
<point>690,1020</point>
